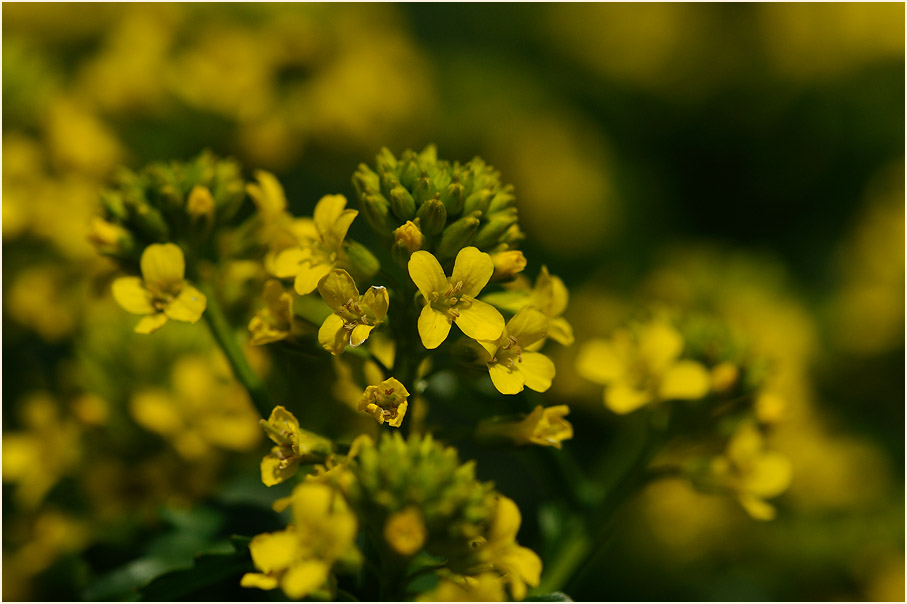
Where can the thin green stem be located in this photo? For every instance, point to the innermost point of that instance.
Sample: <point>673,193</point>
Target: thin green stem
<point>226,338</point>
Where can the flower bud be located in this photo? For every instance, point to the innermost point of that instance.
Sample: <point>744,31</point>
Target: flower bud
<point>407,239</point>
<point>502,200</point>
<point>453,197</point>
<point>457,236</point>
<point>402,202</point>
<point>507,263</point>
<point>110,239</point>
<point>424,189</point>
<point>377,212</point>
<point>490,233</point>
<point>432,216</point>
<point>512,235</point>
<point>409,170</point>
<point>478,201</point>
<point>200,203</point>
<point>362,262</point>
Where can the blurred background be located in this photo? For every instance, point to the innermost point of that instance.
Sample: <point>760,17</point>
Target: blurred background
<point>745,158</point>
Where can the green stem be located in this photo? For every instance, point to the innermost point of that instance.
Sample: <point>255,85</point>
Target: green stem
<point>226,338</point>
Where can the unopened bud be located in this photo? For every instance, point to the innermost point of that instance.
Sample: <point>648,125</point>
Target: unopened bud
<point>410,236</point>
<point>457,236</point>
<point>200,203</point>
<point>410,170</point>
<point>424,189</point>
<point>478,201</point>
<point>512,235</point>
<point>402,203</point>
<point>109,238</point>
<point>508,263</point>
<point>502,200</point>
<point>490,233</point>
<point>365,181</point>
<point>362,262</point>
<point>453,198</point>
<point>377,211</point>
<point>432,216</point>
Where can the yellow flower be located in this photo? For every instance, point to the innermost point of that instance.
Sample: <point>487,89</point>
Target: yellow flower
<point>162,292</point>
<point>318,254</point>
<point>508,263</point>
<point>409,236</point>
<point>639,369</point>
<point>549,295</point>
<point>453,300</point>
<point>354,316</point>
<point>751,472</point>
<point>486,587</point>
<point>275,320</point>
<point>511,367</point>
<point>294,445</point>
<point>545,426</point>
<point>405,531</point>
<point>386,402</point>
<point>300,558</point>
<point>499,551</point>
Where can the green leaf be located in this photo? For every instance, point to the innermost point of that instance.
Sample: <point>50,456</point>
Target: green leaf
<point>208,570</point>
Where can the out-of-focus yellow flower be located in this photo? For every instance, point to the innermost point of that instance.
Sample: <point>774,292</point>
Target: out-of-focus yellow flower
<point>38,456</point>
<point>386,402</point>
<point>78,139</point>
<point>299,559</point>
<point>405,531</point>
<point>549,295</point>
<point>162,292</point>
<point>354,316</point>
<point>511,367</point>
<point>519,566</point>
<point>751,472</point>
<point>204,410</point>
<point>294,445</point>
<point>485,587</point>
<point>40,299</point>
<point>274,320</point>
<point>319,252</point>
<point>453,300</point>
<point>641,369</point>
<point>545,426</point>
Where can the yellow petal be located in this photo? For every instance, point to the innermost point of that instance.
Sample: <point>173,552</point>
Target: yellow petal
<point>473,268</point>
<point>163,265</point>
<point>528,326</point>
<point>288,261</point>
<point>304,577</point>
<point>151,323</point>
<point>267,195</point>
<point>130,293</point>
<point>537,369</point>
<point>770,475</point>
<point>308,277</point>
<point>479,320</point>
<point>332,335</point>
<point>506,522</point>
<point>559,295</point>
<point>599,361</point>
<point>188,305</point>
<point>376,301</point>
<point>338,288</point>
<point>685,380</point>
<point>434,326</point>
<point>334,238</point>
<point>156,411</point>
<point>756,508</point>
<point>401,412</point>
<point>328,211</point>
<point>312,502</point>
<point>623,399</point>
<point>427,274</point>
<point>274,471</point>
<point>360,334</point>
<point>258,580</point>
<point>274,551</point>
<point>659,345</point>
<point>560,331</point>
<point>505,379</point>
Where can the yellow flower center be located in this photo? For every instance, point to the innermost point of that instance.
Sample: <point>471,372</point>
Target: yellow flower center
<point>509,353</point>
<point>448,301</point>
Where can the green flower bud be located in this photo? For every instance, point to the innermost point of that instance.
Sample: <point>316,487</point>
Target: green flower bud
<point>478,201</point>
<point>432,216</point>
<point>402,203</point>
<point>362,262</point>
<point>424,190</point>
<point>409,170</point>
<point>490,233</point>
<point>377,212</point>
<point>365,181</point>
<point>457,236</point>
<point>502,200</point>
<point>452,198</point>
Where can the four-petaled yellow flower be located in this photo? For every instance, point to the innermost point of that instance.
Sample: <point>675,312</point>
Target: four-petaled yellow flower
<point>453,300</point>
<point>274,320</point>
<point>300,558</point>
<point>386,402</point>
<point>644,368</point>
<point>499,551</point>
<point>545,426</point>
<point>294,445</point>
<point>162,292</point>
<point>751,472</point>
<point>354,316</point>
<point>510,365</point>
<point>319,252</point>
<point>405,531</point>
<point>549,295</point>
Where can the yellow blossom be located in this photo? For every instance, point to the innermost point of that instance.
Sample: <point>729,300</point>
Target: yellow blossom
<point>545,426</point>
<point>318,254</point>
<point>294,445</point>
<point>639,369</point>
<point>508,263</point>
<point>751,472</point>
<point>511,367</point>
<point>499,551</point>
<point>409,236</point>
<point>549,295</point>
<point>386,402</point>
<point>162,292</point>
<point>354,316</point>
<point>300,558</point>
<point>405,531</point>
<point>200,202</point>
<point>453,300</point>
<point>275,319</point>
<point>485,587</point>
